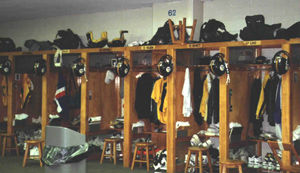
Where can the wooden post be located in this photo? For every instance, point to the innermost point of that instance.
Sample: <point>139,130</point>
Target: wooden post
<point>10,112</point>
<point>286,119</point>
<point>128,102</point>
<point>83,105</point>
<point>224,112</point>
<point>44,98</point>
<point>171,113</point>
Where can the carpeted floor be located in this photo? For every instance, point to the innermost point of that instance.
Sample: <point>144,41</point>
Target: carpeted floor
<point>13,164</point>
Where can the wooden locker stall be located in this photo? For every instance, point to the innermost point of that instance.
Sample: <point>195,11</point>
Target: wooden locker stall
<point>4,99</point>
<point>142,60</point>
<point>103,99</point>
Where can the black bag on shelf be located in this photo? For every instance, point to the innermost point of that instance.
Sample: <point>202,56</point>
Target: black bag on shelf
<point>215,31</point>
<point>256,29</point>
<point>68,40</point>
<point>8,45</point>
<point>34,45</point>
<point>162,35</point>
<point>291,32</point>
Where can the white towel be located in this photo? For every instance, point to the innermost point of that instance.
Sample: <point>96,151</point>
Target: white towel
<point>186,92</point>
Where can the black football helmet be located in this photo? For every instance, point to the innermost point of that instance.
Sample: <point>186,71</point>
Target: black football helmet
<point>5,67</point>
<point>217,65</point>
<point>79,67</point>
<point>40,67</point>
<point>122,66</point>
<point>165,65</point>
<point>280,62</point>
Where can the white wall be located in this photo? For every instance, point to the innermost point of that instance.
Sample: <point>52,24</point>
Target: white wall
<point>138,23</point>
<point>233,12</point>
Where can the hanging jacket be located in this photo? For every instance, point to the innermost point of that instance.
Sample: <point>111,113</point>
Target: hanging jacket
<point>277,110</point>
<point>143,102</point>
<point>204,99</point>
<point>159,95</point>
<point>261,107</point>
<point>27,87</point>
<point>254,97</point>
<point>270,98</point>
<point>197,93</point>
<point>213,102</point>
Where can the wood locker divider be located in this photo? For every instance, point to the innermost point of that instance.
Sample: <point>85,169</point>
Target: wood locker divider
<point>128,108</point>
<point>44,98</point>
<point>286,117</point>
<point>10,112</point>
<point>83,104</point>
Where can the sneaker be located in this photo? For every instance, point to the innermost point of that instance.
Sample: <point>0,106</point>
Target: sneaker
<point>257,162</point>
<point>195,141</point>
<point>207,143</point>
<point>251,161</point>
<point>264,165</point>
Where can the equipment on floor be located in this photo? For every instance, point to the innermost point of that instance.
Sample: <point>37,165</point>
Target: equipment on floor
<point>5,67</point>
<point>118,42</point>
<point>93,43</point>
<point>121,66</point>
<point>165,65</point>
<point>215,31</point>
<point>40,67</point>
<point>280,62</point>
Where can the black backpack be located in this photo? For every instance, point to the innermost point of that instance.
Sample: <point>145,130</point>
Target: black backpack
<point>7,45</point>
<point>256,29</point>
<point>215,31</point>
<point>162,35</point>
<point>34,45</point>
<point>67,40</point>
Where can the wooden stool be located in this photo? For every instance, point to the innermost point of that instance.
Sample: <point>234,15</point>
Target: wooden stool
<point>199,151</point>
<point>231,164</point>
<point>4,147</point>
<point>30,143</point>
<point>113,152</point>
<point>142,146</point>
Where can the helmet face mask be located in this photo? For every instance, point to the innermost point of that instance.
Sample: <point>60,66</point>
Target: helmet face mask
<point>122,66</point>
<point>280,63</point>
<point>165,65</point>
<point>217,64</point>
<point>79,67</point>
<point>40,67</point>
<point>5,67</point>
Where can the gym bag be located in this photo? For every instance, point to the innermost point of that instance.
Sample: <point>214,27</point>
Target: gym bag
<point>66,39</point>
<point>215,31</point>
<point>7,45</point>
<point>34,45</point>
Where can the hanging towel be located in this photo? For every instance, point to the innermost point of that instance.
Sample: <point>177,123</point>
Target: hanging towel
<point>27,88</point>
<point>4,90</point>
<point>186,92</point>
<point>60,94</point>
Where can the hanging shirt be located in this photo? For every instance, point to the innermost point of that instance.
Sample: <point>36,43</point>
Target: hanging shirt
<point>261,107</point>
<point>204,100</point>
<point>26,91</point>
<point>277,111</point>
<point>159,95</point>
<point>186,92</point>
<point>4,90</point>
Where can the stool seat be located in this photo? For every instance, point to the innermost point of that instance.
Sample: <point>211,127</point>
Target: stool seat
<point>199,151</point>
<point>113,151</point>
<point>13,139</point>
<point>143,145</point>
<point>231,164</point>
<point>30,143</point>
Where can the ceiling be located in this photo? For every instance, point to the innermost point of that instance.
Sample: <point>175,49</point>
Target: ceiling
<point>13,10</point>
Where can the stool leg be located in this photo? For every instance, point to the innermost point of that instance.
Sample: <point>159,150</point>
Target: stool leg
<point>209,161</point>
<point>224,169</point>
<point>111,150</point>
<point>240,169</point>
<point>103,152</point>
<point>142,152</point>
<point>40,154</point>
<point>17,148</point>
<point>200,162</point>
<point>187,162</point>
<point>25,155</point>
<point>4,146</point>
<point>122,149</point>
<point>134,156</point>
<point>115,153</point>
<point>147,158</point>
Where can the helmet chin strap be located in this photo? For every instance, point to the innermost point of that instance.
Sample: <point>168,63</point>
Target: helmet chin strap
<point>227,72</point>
